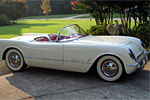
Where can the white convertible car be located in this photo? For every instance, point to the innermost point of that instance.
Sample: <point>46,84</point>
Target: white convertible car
<point>73,50</point>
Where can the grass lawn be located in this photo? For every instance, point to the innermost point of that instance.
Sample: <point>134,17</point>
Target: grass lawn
<point>40,26</point>
<point>50,16</point>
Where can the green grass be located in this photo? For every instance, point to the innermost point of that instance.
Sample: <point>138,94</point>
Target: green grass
<point>43,26</point>
<point>116,15</point>
<point>40,26</point>
<point>50,16</point>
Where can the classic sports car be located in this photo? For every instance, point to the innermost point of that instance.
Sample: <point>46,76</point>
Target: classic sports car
<point>73,50</point>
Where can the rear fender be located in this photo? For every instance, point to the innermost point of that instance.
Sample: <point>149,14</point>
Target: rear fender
<point>7,49</point>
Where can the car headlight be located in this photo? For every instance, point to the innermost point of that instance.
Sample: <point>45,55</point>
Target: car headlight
<point>131,54</point>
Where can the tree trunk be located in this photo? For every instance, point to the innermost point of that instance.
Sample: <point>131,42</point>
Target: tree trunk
<point>105,19</point>
<point>96,21</point>
<point>13,21</point>
<point>129,24</point>
<point>122,20</point>
<point>135,20</point>
<point>125,21</point>
<point>111,17</point>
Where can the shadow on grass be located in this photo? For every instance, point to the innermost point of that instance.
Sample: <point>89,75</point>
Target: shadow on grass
<point>17,28</point>
<point>39,24</point>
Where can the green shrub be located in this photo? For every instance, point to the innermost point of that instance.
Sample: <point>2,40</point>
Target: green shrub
<point>4,20</point>
<point>143,32</point>
<point>98,30</point>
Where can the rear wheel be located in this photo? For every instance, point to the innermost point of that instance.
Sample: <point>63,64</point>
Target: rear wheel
<point>15,60</point>
<point>109,68</point>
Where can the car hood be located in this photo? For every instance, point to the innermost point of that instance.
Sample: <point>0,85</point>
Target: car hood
<point>115,40</point>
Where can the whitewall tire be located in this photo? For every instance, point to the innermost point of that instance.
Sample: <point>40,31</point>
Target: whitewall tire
<point>109,68</point>
<point>15,60</point>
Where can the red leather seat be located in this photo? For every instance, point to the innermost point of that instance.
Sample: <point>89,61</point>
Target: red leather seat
<point>67,37</point>
<point>41,39</point>
<point>53,37</point>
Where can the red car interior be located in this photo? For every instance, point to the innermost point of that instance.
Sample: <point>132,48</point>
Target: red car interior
<point>42,39</point>
<point>54,36</point>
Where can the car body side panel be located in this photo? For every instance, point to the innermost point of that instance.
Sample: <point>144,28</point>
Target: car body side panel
<point>78,57</point>
<point>81,56</point>
<point>40,54</point>
<point>44,54</point>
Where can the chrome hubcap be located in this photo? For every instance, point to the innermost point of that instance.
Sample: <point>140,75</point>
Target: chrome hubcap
<point>14,60</point>
<point>109,68</point>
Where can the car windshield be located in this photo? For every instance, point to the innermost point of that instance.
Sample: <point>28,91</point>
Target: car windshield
<point>71,32</point>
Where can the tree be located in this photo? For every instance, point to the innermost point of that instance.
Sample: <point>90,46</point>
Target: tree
<point>14,9</point>
<point>46,6</point>
<point>2,1</point>
<point>103,10</point>
<point>19,9</point>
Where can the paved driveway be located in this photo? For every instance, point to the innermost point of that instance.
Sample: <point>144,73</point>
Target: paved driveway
<point>46,84</point>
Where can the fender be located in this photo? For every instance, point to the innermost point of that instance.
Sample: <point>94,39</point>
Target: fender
<point>8,48</point>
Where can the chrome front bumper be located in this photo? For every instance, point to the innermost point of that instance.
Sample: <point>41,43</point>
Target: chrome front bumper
<point>141,64</point>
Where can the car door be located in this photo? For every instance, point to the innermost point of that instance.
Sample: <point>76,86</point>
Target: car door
<point>45,54</point>
<point>76,58</point>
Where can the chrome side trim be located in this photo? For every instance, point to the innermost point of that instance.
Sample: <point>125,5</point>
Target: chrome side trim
<point>44,58</point>
<point>86,62</point>
<point>133,65</point>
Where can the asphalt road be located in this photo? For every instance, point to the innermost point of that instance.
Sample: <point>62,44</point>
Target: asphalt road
<point>47,84</point>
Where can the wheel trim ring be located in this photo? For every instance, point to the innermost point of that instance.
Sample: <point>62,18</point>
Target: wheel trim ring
<point>10,62</point>
<point>113,62</point>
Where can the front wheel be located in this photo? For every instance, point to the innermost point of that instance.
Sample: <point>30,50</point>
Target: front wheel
<point>14,60</point>
<point>109,68</point>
